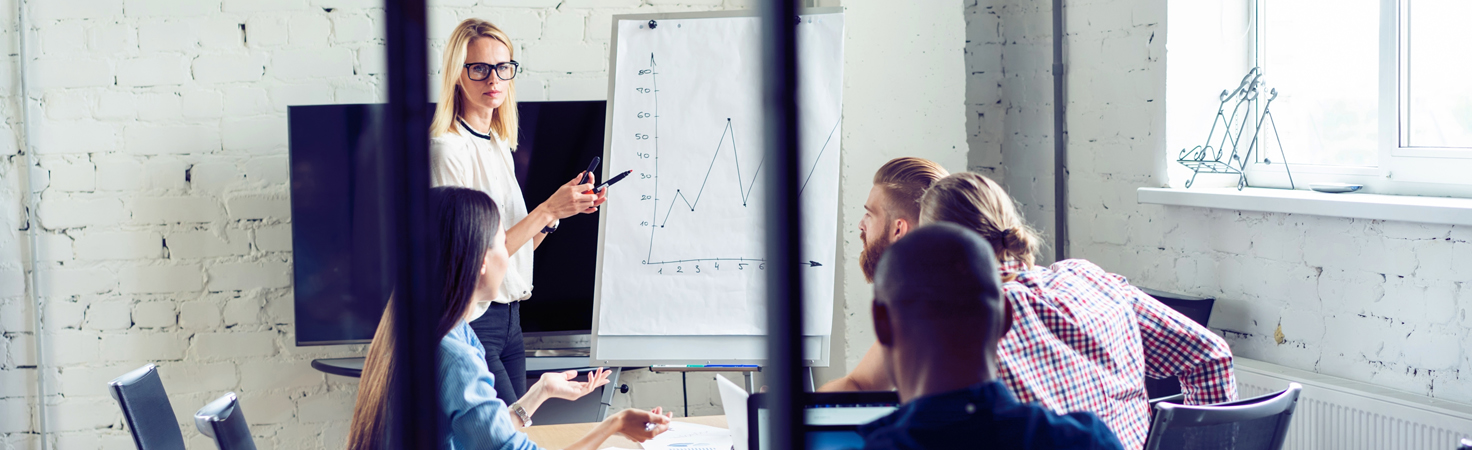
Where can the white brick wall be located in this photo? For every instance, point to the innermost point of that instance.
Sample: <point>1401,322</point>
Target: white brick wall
<point>1009,94</point>
<point>1375,301</point>
<point>159,127</point>
<point>201,243</point>
<point>184,155</point>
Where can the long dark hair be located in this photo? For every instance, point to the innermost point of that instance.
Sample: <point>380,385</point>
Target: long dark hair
<point>467,223</point>
<point>464,227</point>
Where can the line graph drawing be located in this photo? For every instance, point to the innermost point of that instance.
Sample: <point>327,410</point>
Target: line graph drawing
<point>744,187</point>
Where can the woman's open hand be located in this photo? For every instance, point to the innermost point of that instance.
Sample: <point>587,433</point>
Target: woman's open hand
<point>562,385</point>
<point>639,425</point>
<point>574,197</point>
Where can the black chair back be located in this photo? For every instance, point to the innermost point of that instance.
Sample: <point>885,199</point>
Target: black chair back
<point>1196,308</point>
<point>223,421</point>
<point>146,409</point>
<point>1259,423</point>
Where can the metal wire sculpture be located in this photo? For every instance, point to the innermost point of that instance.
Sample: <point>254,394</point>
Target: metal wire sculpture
<point>1215,159</point>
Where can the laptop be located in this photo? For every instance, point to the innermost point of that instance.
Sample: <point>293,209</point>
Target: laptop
<point>832,418</point>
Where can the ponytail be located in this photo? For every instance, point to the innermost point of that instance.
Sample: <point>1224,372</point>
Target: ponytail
<point>976,202</point>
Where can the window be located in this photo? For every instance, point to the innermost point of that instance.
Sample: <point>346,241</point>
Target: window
<point>1320,56</point>
<point>1374,92</point>
<point>1435,74</point>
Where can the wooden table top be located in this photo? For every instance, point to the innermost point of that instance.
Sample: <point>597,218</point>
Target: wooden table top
<point>560,436</point>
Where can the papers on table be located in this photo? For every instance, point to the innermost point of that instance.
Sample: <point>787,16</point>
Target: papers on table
<point>690,436</point>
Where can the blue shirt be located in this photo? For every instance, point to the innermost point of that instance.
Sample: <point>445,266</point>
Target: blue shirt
<point>984,415</point>
<point>468,403</point>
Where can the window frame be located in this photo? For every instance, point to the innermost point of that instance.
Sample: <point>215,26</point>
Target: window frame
<point>1401,170</point>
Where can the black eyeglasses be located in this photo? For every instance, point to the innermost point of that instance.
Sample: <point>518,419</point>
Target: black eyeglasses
<point>481,71</point>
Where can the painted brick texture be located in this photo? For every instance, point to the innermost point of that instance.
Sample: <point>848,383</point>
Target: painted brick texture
<point>159,129</point>
<point>163,229</point>
<point>1010,103</point>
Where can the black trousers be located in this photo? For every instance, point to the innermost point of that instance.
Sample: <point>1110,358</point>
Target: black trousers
<point>499,331</point>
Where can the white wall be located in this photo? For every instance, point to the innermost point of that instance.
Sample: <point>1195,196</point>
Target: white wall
<point>919,111</point>
<point>984,75</point>
<point>1010,103</point>
<point>15,385</point>
<point>160,131</point>
<point>1374,301</point>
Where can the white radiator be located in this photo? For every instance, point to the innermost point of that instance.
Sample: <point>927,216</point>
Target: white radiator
<point>1335,413</point>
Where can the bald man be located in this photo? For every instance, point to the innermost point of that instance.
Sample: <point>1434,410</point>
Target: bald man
<point>938,315</point>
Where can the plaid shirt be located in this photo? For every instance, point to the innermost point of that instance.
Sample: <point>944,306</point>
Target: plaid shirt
<point>1083,339</point>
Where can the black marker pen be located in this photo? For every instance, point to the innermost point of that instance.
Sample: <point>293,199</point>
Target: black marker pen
<point>592,165</point>
<point>611,181</point>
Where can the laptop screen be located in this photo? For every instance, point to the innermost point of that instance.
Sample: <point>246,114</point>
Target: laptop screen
<point>832,419</point>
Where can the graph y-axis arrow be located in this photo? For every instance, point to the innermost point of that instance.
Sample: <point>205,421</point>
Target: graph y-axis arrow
<point>654,213</point>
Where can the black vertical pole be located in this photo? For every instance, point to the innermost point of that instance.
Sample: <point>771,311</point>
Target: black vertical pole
<point>406,170</point>
<point>1060,141</point>
<point>783,223</point>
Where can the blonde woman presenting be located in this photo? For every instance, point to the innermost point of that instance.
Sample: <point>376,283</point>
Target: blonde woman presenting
<point>473,135</point>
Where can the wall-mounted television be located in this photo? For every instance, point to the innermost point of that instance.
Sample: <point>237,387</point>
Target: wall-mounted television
<point>341,279</point>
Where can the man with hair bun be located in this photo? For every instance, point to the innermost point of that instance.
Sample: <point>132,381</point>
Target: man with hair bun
<point>1081,338</point>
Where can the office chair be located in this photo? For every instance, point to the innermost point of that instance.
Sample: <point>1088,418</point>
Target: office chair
<point>1259,423</point>
<point>223,421</point>
<point>146,409</point>
<point>1198,309</point>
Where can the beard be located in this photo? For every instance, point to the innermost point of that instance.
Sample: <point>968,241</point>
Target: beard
<point>869,258</point>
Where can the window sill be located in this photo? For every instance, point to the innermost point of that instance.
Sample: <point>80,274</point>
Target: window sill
<point>1434,210</point>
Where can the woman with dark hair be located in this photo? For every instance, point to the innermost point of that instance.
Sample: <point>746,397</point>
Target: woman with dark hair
<point>471,253</point>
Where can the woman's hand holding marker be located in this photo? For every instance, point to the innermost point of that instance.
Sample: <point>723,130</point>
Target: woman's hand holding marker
<point>603,187</point>
<point>574,198</point>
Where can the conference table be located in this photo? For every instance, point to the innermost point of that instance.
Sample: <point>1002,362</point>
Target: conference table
<point>561,436</point>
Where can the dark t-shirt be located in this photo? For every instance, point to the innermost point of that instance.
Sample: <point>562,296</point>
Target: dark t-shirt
<point>986,415</point>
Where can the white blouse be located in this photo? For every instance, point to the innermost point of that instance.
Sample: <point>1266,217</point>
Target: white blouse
<point>462,159</point>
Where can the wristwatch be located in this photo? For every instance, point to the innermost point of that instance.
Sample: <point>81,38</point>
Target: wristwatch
<point>526,419</point>
<point>550,228</point>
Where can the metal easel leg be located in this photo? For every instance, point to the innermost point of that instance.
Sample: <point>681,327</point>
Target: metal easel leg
<point>750,382</point>
<point>608,391</point>
<point>807,372</point>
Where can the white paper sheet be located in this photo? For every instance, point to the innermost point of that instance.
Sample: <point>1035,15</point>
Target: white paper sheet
<point>690,436</point>
<point>684,234</point>
<point>733,401</point>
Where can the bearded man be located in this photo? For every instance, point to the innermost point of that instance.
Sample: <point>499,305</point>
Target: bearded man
<point>892,210</point>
